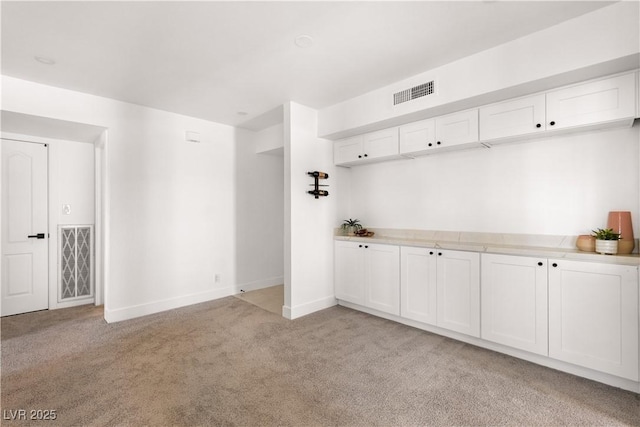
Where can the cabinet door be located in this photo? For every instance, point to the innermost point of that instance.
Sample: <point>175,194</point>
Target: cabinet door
<point>349,272</point>
<point>347,150</point>
<point>418,284</point>
<point>600,101</point>
<point>512,118</point>
<point>418,136</point>
<point>593,316</point>
<point>514,301</point>
<point>382,271</point>
<point>381,144</point>
<point>458,288</point>
<point>457,129</point>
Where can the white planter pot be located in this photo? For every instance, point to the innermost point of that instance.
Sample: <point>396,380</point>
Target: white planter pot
<point>608,247</point>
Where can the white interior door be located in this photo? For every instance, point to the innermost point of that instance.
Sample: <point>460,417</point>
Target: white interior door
<point>24,228</point>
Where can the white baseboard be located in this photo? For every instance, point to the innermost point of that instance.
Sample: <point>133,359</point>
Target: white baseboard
<point>260,284</point>
<point>68,304</point>
<point>132,312</point>
<point>308,308</point>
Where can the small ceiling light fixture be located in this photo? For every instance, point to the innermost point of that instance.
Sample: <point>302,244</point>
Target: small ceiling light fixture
<point>303,41</point>
<point>44,60</point>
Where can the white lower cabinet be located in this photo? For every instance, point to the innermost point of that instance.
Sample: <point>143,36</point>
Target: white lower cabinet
<point>368,274</point>
<point>593,316</point>
<point>349,272</point>
<point>441,287</point>
<point>514,301</point>
<point>458,288</point>
<point>418,284</point>
<point>582,313</point>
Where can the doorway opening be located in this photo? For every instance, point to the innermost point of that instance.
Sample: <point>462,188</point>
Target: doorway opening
<point>70,241</point>
<point>270,298</point>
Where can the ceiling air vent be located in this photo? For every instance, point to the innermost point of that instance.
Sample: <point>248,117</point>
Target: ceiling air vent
<point>413,93</point>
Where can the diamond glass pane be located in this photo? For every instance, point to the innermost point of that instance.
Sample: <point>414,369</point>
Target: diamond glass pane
<point>68,276</point>
<point>83,261</point>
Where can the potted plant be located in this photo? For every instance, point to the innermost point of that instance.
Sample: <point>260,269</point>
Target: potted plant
<point>350,226</point>
<point>606,241</point>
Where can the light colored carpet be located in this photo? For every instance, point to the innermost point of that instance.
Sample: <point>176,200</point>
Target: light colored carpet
<point>227,362</point>
<point>270,299</point>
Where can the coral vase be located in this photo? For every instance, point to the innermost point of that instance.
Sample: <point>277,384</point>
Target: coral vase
<point>620,222</point>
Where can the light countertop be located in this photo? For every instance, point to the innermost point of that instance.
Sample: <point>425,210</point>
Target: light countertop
<point>546,246</point>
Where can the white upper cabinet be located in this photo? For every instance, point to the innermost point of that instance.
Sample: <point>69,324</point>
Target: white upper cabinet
<point>601,101</point>
<point>367,148</point>
<point>614,101</point>
<point>521,116</point>
<point>593,316</point>
<point>347,150</point>
<point>457,129</point>
<point>452,132</point>
<point>381,144</point>
<point>514,301</point>
<point>638,94</point>
<point>418,136</point>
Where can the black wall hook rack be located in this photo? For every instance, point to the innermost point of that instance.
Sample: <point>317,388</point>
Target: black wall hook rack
<point>316,186</point>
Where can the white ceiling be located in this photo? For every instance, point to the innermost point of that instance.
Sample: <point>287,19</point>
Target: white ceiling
<point>214,59</point>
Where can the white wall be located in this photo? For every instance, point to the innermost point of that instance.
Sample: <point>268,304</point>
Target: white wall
<point>260,210</point>
<point>72,167</point>
<point>603,42</point>
<point>549,186</point>
<point>309,222</point>
<point>72,182</point>
<point>170,216</point>
<point>270,140</point>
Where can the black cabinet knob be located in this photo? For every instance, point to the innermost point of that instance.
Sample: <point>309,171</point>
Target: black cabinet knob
<point>366,247</point>
<point>438,143</point>
<point>540,264</point>
<point>430,144</point>
<point>439,253</point>
<point>359,246</point>
<point>359,156</point>
<point>552,123</point>
<point>554,264</point>
<point>366,155</point>
<point>431,253</point>
<point>538,125</point>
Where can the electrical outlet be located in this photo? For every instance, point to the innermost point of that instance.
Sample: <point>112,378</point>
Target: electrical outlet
<point>217,277</point>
